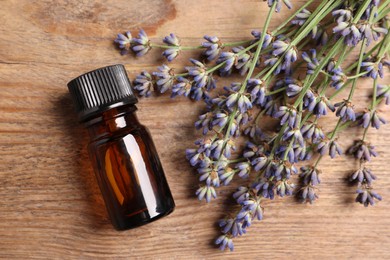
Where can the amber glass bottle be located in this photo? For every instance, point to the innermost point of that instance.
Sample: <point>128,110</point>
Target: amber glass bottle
<point>123,155</point>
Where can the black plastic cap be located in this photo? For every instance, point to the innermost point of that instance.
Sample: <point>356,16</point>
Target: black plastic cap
<point>101,89</point>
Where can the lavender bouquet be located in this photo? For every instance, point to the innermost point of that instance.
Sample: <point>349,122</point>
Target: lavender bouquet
<point>292,74</point>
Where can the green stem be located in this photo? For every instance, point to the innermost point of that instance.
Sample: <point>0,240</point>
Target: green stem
<point>276,91</point>
<point>374,88</point>
<point>354,81</point>
<point>260,44</point>
<point>336,129</point>
<point>154,45</point>
<point>358,75</point>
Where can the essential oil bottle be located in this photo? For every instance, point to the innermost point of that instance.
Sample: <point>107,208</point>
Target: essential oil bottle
<point>125,160</point>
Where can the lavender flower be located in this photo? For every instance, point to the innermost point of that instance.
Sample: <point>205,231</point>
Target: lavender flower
<point>279,4</point>
<point>342,15</point>
<point>229,59</point>
<point>202,77</point>
<point>373,68</point>
<point>309,99</point>
<point>320,35</point>
<point>173,41</point>
<point>349,31</point>
<point>320,105</point>
<point>331,146</point>
<point>338,77</point>
<point>181,88</point>
<point>141,44</point>
<point>287,114</point>
<point>124,42</point>
<point>293,90</point>
<point>206,192</point>
<point>210,176</point>
<point>253,131</point>
<point>271,61</point>
<point>301,17</point>
<point>232,226</point>
<point>241,195</point>
<point>164,78</point>
<point>334,149</point>
<point>144,84</point>
<point>310,175</point>
<point>345,111</point>
<point>243,169</point>
<point>290,54</point>
<point>243,60</point>
<point>362,150</point>
<point>213,47</point>
<point>279,170</point>
<point>312,62</point>
<point>307,194</point>
<point>226,175</point>
<point>367,196</point>
<point>284,188</point>
<point>255,154</point>
<point>257,90</point>
<point>371,32</point>
<point>265,188</point>
<point>370,117</point>
<point>363,174</point>
<point>271,106</point>
<point>224,241</point>
<point>267,38</point>
<point>251,209</point>
<point>383,91</point>
<point>376,120</point>
<point>241,101</point>
<point>294,133</point>
<point>312,131</point>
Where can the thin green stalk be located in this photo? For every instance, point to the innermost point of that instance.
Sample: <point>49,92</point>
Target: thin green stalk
<point>154,45</point>
<point>354,81</point>
<point>276,91</point>
<point>260,44</point>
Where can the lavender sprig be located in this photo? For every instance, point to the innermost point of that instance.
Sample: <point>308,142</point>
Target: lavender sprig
<point>298,103</point>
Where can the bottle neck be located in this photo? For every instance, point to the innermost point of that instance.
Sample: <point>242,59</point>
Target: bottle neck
<point>112,121</point>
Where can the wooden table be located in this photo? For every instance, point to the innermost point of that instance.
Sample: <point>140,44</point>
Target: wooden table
<point>50,205</point>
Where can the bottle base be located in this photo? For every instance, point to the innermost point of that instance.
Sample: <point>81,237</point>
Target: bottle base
<point>140,219</point>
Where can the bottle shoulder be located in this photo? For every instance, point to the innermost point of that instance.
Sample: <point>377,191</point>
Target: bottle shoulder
<point>110,137</point>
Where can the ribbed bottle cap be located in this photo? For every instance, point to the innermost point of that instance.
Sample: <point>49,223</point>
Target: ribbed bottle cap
<point>101,89</point>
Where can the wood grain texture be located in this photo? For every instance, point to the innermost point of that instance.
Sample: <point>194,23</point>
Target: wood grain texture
<point>50,205</point>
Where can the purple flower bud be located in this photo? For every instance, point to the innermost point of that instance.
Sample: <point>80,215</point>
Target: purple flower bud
<point>224,241</point>
<point>362,150</point>
<point>144,84</point>
<point>206,192</point>
<point>363,174</point>
<point>213,47</point>
<point>141,44</point>
<point>345,111</point>
<point>367,196</point>
<point>310,176</point>
<point>124,42</point>
<point>307,194</point>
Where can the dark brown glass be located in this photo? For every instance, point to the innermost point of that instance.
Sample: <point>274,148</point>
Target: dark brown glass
<point>127,168</point>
